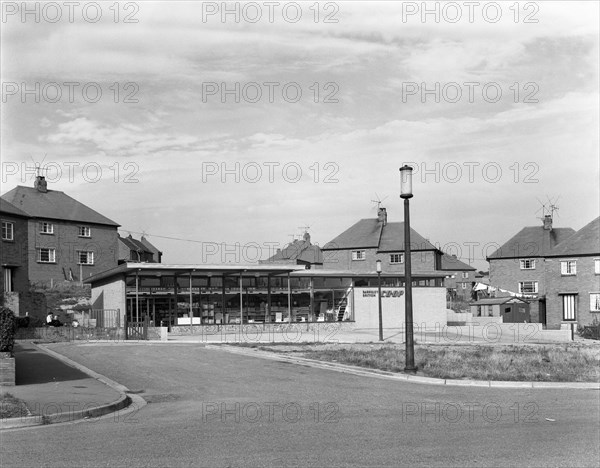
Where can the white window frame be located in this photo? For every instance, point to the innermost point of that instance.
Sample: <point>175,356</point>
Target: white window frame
<point>465,275</point>
<point>597,266</point>
<point>51,255</point>
<point>89,257</point>
<point>394,257</point>
<point>568,267</point>
<point>527,263</point>
<point>464,285</point>
<point>595,302</point>
<point>46,228</point>
<point>8,234</point>
<point>85,231</point>
<point>522,289</point>
<point>358,255</point>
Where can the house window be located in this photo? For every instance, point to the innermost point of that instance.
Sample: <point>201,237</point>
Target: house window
<point>46,255</point>
<point>8,230</point>
<point>597,266</point>
<point>594,302</point>
<point>465,275</point>
<point>568,267</point>
<point>569,307</point>
<point>358,255</point>
<point>396,258</point>
<point>464,285</point>
<point>85,231</point>
<point>85,257</point>
<point>527,264</point>
<point>46,228</point>
<point>528,287</point>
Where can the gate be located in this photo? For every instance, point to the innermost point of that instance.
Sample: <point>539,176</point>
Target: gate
<point>136,330</point>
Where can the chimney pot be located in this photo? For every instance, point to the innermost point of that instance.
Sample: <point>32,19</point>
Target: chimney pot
<point>548,223</point>
<point>40,184</point>
<point>382,216</point>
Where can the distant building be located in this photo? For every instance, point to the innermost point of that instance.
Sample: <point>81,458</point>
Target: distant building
<point>64,238</point>
<point>461,277</point>
<point>139,251</point>
<point>299,252</point>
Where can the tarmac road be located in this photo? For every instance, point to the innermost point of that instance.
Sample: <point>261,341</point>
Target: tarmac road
<point>208,407</point>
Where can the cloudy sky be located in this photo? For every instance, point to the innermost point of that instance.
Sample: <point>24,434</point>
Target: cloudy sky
<point>181,120</point>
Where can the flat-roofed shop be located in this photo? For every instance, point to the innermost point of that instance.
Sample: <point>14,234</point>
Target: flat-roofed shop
<point>172,295</point>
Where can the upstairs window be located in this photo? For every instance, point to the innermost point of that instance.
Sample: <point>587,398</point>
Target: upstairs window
<point>46,255</point>
<point>465,275</point>
<point>527,264</point>
<point>568,267</point>
<point>358,255</point>
<point>8,230</point>
<point>396,258</point>
<point>85,231</point>
<point>597,266</point>
<point>46,228</point>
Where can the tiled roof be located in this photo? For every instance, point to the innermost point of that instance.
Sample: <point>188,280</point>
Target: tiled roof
<point>299,250</point>
<point>372,233</point>
<point>134,244</point>
<point>149,245</point>
<point>53,205</point>
<point>6,207</point>
<point>532,241</point>
<point>586,241</point>
<point>450,262</point>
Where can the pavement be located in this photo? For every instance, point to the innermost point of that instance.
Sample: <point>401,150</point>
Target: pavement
<point>56,389</point>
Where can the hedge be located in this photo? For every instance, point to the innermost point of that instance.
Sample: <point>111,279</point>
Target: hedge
<point>8,326</point>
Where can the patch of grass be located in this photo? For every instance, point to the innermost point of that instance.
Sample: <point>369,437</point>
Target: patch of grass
<point>549,363</point>
<point>11,407</point>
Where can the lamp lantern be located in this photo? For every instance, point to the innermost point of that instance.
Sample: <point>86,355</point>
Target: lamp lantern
<point>406,173</point>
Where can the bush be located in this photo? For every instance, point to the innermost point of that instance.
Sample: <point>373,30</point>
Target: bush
<point>8,326</point>
<point>22,322</point>
<point>591,331</point>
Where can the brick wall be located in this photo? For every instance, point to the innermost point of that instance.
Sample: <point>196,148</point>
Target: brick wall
<point>66,242</point>
<point>14,253</point>
<point>342,260</point>
<point>583,283</point>
<point>507,274</point>
<point>110,295</point>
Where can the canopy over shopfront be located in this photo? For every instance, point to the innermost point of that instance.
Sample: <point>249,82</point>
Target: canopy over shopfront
<point>224,294</point>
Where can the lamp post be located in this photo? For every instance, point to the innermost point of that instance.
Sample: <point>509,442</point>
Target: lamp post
<point>378,263</point>
<point>406,194</point>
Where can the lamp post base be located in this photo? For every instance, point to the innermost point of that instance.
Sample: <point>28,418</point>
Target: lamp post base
<point>411,370</point>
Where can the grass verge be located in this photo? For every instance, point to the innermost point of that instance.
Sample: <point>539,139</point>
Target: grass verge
<point>11,407</point>
<point>537,363</point>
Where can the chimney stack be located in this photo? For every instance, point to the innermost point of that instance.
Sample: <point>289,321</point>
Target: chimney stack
<point>382,216</point>
<point>548,222</point>
<point>40,184</point>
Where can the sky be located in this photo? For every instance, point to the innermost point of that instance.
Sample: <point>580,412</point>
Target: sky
<point>223,131</point>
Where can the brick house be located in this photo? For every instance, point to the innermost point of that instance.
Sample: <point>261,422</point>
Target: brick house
<point>133,250</point>
<point>13,255</point>
<point>461,277</point>
<point>299,252</point>
<point>555,268</point>
<point>64,238</point>
<point>359,247</point>
<point>573,279</point>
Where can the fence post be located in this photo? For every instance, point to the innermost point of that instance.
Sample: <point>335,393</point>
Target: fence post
<point>125,325</point>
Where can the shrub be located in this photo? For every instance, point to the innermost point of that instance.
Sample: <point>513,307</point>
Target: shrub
<point>590,331</point>
<point>8,326</point>
<point>22,322</point>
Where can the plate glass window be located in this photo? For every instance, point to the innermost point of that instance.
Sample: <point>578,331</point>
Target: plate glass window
<point>8,230</point>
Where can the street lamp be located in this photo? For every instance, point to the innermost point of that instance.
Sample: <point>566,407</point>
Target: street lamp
<point>406,194</point>
<point>379,296</point>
